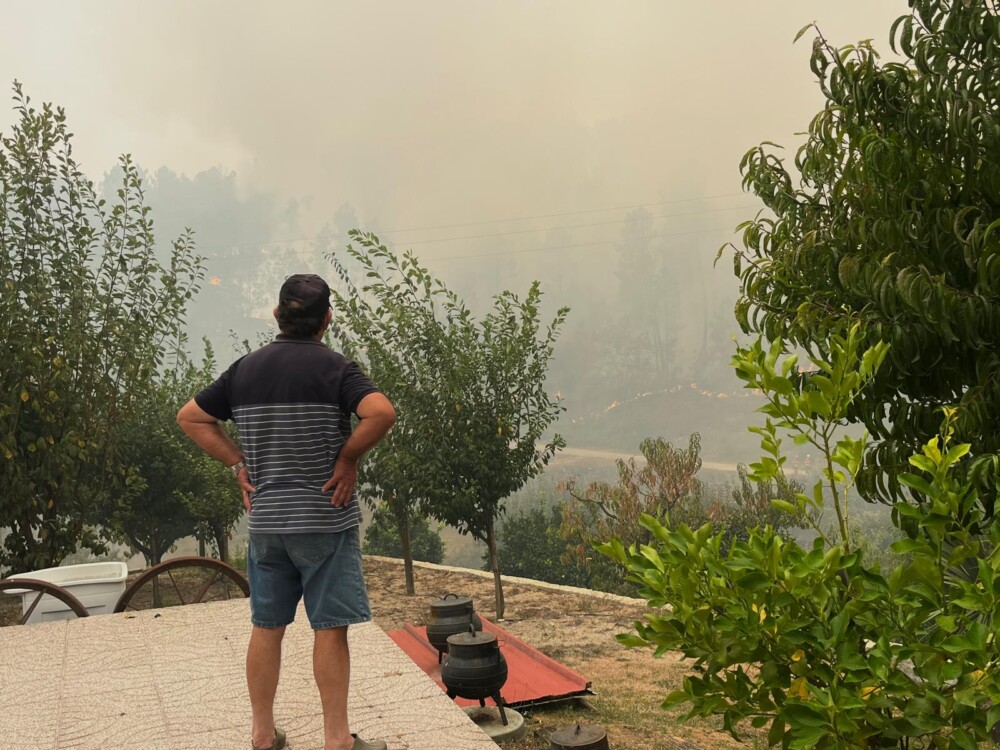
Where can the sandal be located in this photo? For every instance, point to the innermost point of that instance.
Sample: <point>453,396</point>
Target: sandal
<point>360,744</point>
<point>278,744</point>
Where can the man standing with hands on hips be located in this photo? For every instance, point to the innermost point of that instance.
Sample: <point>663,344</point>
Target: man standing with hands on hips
<point>297,466</point>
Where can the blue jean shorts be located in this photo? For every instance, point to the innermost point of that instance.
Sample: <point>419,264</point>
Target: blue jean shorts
<point>323,569</point>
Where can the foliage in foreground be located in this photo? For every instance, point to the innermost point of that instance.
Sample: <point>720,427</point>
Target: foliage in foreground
<point>88,313</point>
<point>891,217</point>
<point>822,649</point>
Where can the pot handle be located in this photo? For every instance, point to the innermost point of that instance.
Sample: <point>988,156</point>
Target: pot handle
<point>447,595</point>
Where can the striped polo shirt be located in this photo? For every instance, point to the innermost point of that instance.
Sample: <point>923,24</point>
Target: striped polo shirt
<point>292,402</point>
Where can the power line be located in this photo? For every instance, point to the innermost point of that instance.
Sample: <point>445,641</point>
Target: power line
<point>581,244</point>
<point>496,234</point>
<point>473,256</point>
<point>575,226</point>
<point>568,213</point>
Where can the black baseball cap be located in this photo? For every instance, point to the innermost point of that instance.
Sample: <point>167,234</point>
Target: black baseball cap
<point>306,292</point>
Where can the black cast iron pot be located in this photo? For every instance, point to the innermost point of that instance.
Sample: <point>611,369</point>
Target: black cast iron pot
<point>474,667</point>
<point>450,615</point>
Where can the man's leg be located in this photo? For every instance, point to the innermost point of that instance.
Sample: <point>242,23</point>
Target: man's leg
<point>332,670</point>
<point>263,666</point>
<point>335,597</point>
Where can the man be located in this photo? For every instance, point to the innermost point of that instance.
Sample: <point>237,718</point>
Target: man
<point>297,467</point>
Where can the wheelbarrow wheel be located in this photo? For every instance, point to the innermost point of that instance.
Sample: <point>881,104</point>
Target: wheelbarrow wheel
<point>183,580</point>
<point>42,588</point>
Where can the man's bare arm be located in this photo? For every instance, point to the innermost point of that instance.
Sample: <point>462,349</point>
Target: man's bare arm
<point>377,416</point>
<point>206,431</point>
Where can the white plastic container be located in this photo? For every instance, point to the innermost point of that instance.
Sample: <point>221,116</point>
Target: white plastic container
<point>98,586</point>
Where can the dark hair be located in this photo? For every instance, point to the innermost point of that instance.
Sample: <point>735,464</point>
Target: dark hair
<point>300,322</point>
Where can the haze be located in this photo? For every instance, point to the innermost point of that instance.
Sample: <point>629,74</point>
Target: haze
<point>309,117</point>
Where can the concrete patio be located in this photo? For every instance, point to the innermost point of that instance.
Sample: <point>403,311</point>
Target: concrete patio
<point>172,679</point>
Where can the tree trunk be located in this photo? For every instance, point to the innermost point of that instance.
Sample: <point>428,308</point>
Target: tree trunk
<point>222,542</point>
<point>156,557</point>
<point>658,352</point>
<point>22,530</point>
<point>491,545</point>
<point>201,546</point>
<point>403,521</point>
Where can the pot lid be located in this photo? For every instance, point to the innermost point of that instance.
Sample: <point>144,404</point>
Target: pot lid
<point>472,639</point>
<point>452,600</point>
<point>579,735</point>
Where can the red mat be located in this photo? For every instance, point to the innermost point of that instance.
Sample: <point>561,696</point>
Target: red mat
<point>532,677</point>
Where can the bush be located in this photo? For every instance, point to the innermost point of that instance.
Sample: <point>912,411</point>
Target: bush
<point>826,650</point>
<point>382,538</point>
<point>751,506</point>
<point>530,546</point>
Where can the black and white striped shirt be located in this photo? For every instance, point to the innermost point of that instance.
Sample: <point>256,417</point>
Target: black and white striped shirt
<point>292,402</point>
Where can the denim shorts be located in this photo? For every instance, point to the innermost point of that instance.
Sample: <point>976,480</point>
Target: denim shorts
<point>324,569</point>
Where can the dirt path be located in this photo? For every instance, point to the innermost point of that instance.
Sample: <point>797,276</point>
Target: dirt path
<point>594,453</point>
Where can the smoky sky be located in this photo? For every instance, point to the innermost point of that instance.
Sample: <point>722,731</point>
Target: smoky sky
<point>435,112</point>
<point>618,126</point>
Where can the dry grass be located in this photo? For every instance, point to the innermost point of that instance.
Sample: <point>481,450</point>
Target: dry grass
<point>578,631</point>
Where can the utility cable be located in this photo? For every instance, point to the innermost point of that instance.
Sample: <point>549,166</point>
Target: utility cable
<point>486,236</point>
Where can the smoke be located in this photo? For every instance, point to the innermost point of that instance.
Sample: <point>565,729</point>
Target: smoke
<point>429,113</point>
<point>526,135</point>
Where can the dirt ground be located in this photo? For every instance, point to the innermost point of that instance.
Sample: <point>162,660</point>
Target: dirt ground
<point>576,630</point>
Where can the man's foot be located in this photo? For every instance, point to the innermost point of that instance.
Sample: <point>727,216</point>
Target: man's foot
<point>277,744</point>
<point>360,744</point>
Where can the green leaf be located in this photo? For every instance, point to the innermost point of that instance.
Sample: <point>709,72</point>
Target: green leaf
<point>776,732</point>
<point>804,715</point>
<point>785,506</point>
<point>631,641</point>
<point>798,36</point>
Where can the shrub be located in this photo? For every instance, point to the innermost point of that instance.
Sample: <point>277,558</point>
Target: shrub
<point>530,546</point>
<point>824,649</point>
<point>382,538</point>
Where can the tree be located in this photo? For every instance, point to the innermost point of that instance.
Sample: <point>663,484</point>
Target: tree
<point>477,402</point>
<point>88,313</point>
<point>823,649</point>
<point>530,545</point>
<point>209,493</point>
<point>214,501</point>
<point>495,378</point>
<point>642,341</point>
<point>239,227</point>
<point>751,505</point>
<point>392,330</point>
<point>146,511</point>
<point>665,483</point>
<point>383,538</point>
<point>173,489</point>
<point>892,221</point>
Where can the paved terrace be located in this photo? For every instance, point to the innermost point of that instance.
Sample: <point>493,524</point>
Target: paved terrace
<point>172,679</point>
